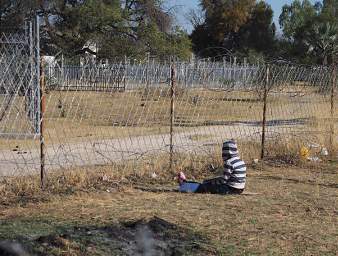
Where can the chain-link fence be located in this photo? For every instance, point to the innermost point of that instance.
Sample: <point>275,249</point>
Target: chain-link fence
<point>136,112</point>
<point>19,90</point>
<point>19,81</point>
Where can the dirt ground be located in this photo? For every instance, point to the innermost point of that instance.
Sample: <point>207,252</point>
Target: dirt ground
<point>290,211</point>
<point>95,128</point>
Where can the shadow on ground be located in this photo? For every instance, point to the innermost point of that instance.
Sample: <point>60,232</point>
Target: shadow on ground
<point>155,236</point>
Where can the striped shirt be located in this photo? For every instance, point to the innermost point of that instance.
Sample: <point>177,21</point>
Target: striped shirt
<point>234,167</point>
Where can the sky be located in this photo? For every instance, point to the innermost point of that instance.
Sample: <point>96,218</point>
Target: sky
<point>183,6</point>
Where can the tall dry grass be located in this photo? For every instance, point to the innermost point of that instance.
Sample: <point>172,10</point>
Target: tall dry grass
<point>153,169</point>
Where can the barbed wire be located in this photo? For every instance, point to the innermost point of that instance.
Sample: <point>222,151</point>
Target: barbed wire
<point>106,113</point>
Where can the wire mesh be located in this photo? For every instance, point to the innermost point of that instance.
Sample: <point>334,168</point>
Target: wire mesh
<point>99,114</point>
<point>299,108</point>
<point>19,92</point>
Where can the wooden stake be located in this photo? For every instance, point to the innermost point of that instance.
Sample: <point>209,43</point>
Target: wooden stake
<point>42,124</point>
<point>332,108</point>
<point>266,84</point>
<point>172,114</point>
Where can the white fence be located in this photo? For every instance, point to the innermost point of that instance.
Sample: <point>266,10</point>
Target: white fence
<point>126,112</point>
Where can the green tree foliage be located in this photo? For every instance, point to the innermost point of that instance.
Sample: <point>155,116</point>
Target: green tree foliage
<point>73,26</point>
<point>223,17</point>
<point>13,13</point>
<point>294,21</point>
<point>258,33</point>
<point>295,17</point>
<point>132,27</point>
<point>311,30</point>
<point>330,10</point>
<point>117,27</point>
<point>234,26</point>
<point>322,40</point>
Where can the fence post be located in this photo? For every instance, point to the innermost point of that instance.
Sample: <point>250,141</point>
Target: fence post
<point>42,123</point>
<point>147,70</point>
<point>265,96</point>
<point>172,114</point>
<point>185,67</point>
<point>245,65</point>
<point>332,107</point>
<point>62,67</point>
<point>31,95</point>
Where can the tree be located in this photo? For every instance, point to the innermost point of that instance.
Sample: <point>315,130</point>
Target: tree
<point>311,30</point>
<point>14,12</point>
<point>330,18</point>
<point>295,17</point>
<point>118,27</point>
<point>75,24</point>
<point>322,41</point>
<point>234,26</point>
<point>330,10</point>
<point>195,17</point>
<point>226,16</point>
<point>258,34</point>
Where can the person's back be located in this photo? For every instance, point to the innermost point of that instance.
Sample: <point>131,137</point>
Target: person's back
<point>232,181</point>
<point>234,166</point>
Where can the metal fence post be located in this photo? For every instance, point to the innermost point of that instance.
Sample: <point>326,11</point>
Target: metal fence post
<point>36,93</point>
<point>332,107</point>
<point>30,93</point>
<point>41,101</point>
<point>172,114</point>
<point>147,71</point>
<point>62,68</point>
<point>265,96</point>
<point>42,123</point>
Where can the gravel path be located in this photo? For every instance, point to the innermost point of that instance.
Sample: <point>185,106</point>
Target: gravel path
<point>98,152</point>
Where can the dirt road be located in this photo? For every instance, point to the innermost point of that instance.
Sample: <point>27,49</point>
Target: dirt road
<point>98,152</point>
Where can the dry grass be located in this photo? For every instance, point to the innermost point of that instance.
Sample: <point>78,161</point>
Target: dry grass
<point>20,188</point>
<point>81,116</point>
<point>137,108</point>
<point>294,213</point>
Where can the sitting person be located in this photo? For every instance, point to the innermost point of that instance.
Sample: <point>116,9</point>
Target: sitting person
<point>232,181</point>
